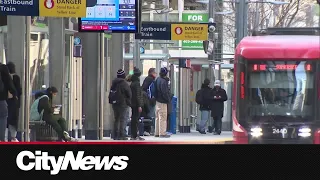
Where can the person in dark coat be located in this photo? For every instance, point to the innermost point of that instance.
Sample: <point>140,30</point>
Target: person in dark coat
<point>217,106</point>
<point>136,103</point>
<point>204,96</point>
<point>145,87</point>
<point>14,103</point>
<point>8,88</point>
<point>121,109</point>
<point>162,98</point>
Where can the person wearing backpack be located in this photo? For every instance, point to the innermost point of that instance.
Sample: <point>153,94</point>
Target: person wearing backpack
<point>120,98</point>
<point>136,103</point>
<point>149,87</point>
<point>6,87</point>
<point>163,95</point>
<point>43,110</point>
<point>203,97</point>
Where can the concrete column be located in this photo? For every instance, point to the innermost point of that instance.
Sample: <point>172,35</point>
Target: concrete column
<point>117,62</point>
<point>91,90</point>
<point>57,59</point>
<point>16,50</point>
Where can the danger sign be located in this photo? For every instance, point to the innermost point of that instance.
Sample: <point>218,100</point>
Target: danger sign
<point>197,32</point>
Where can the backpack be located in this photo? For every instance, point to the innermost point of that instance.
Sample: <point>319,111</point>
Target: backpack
<point>34,113</point>
<point>199,99</point>
<point>115,95</point>
<point>151,90</point>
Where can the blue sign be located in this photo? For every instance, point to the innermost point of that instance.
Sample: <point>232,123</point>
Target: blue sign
<point>77,41</point>
<point>155,30</point>
<point>142,50</point>
<point>19,7</point>
<point>116,16</point>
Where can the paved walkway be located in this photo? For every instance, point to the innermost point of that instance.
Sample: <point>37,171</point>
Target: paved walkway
<point>183,138</point>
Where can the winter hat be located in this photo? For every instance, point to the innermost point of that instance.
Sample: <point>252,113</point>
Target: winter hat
<point>136,72</point>
<point>121,74</point>
<point>206,82</point>
<point>217,83</point>
<point>164,71</point>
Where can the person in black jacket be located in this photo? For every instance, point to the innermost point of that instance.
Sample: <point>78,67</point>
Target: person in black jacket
<point>121,109</point>
<point>217,106</point>
<point>145,87</point>
<point>136,103</point>
<point>7,87</point>
<point>14,103</point>
<point>57,122</point>
<point>204,97</point>
<point>162,98</point>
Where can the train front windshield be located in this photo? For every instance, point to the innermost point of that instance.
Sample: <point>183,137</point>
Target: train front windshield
<point>281,90</point>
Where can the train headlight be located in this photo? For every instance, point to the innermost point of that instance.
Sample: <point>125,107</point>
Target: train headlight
<point>304,132</point>
<point>256,132</point>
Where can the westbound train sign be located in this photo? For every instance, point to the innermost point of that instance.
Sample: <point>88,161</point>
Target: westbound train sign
<point>174,31</point>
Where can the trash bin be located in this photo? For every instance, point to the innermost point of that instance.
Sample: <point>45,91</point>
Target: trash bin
<point>173,115</point>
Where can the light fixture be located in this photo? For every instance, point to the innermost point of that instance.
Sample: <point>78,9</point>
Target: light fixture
<point>256,132</point>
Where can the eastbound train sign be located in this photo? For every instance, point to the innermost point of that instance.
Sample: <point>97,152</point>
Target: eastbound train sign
<point>44,8</point>
<point>174,31</point>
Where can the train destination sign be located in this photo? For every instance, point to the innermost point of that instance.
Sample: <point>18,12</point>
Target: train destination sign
<point>173,31</point>
<point>44,8</point>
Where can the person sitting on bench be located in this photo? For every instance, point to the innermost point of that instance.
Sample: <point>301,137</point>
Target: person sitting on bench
<point>46,110</point>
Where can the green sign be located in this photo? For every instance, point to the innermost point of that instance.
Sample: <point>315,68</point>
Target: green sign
<point>193,17</point>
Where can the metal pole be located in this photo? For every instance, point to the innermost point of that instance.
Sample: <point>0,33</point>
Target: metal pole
<point>136,54</point>
<point>165,49</point>
<point>102,85</point>
<point>27,89</point>
<point>2,46</point>
<point>241,20</point>
<point>211,57</point>
<point>180,97</point>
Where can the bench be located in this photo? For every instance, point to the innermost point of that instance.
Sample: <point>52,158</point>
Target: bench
<point>41,131</point>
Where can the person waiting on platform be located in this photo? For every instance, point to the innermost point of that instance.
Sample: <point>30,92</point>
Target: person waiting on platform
<point>217,106</point>
<point>203,98</point>
<point>162,95</point>
<point>14,103</point>
<point>43,107</point>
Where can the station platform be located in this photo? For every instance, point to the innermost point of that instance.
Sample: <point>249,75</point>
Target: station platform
<point>181,138</point>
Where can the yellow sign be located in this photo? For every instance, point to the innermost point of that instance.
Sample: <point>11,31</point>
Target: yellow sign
<point>62,8</point>
<point>198,32</point>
